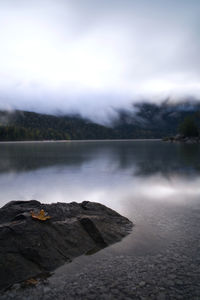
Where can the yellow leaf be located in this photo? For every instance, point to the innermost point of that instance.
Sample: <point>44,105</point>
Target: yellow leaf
<point>41,216</point>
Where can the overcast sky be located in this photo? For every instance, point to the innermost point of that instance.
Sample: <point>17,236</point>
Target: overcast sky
<point>92,56</point>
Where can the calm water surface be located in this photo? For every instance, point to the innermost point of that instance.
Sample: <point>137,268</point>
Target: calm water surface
<point>155,184</point>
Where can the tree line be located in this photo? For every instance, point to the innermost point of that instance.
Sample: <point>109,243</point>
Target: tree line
<point>24,126</point>
<point>17,133</point>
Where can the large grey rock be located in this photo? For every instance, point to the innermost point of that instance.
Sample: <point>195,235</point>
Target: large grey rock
<point>31,247</point>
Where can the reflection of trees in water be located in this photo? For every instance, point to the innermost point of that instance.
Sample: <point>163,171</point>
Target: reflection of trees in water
<point>141,158</point>
<point>19,157</point>
<point>25,157</point>
<point>176,159</point>
<point>146,158</point>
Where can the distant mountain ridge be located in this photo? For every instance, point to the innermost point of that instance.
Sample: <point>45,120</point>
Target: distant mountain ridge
<point>144,120</point>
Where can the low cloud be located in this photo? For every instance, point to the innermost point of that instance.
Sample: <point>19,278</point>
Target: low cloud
<point>93,57</point>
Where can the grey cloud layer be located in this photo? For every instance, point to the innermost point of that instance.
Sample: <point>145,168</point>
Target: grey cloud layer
<point>92,56</point>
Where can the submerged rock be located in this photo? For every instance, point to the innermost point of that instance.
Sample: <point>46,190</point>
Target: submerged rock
<point>30,247</point>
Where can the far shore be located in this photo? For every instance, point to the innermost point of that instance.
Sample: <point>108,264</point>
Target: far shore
<point>67,141</point>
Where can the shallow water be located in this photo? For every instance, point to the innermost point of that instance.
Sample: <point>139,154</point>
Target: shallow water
<point>155,184</point>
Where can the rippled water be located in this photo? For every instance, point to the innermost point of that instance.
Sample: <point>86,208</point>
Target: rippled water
<point>150,182</point>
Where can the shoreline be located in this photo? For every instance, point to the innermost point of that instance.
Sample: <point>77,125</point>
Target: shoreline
<point>85,227</point>
<point>167,274</point>
<point>71,141</point>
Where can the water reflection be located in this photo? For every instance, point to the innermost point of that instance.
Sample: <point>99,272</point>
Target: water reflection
<point>152,183</point>
<point>113,173</point>
<point>148,157</point>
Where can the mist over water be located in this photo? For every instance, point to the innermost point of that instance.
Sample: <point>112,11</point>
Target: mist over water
<point>106,61</point>
<point>93,59</point>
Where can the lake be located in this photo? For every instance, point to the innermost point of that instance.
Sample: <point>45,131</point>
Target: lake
<point>155,184</point>
<point>150,182</point>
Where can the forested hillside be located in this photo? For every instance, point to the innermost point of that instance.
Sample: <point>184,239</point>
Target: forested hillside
<point>143,121</point>
<point>21,125</point>
<point>147,120</point>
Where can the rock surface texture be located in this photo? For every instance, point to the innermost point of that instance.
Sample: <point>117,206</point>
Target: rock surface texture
<point>30,247</point>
